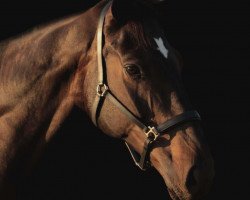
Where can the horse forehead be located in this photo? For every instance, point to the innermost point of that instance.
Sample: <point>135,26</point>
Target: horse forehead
<point>138,38</point>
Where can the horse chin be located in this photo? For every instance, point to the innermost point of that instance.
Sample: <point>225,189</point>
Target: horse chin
<point>172,194</point>
<point>176,195</point>
<point>175,192</point>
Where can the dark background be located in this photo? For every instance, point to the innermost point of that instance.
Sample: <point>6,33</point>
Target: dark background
<point>213,37</point>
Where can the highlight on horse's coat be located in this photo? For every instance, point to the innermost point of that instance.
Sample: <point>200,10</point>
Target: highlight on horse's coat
<point>121,71</point>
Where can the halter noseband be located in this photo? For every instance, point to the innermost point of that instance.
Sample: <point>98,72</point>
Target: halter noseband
<point>102,92</point>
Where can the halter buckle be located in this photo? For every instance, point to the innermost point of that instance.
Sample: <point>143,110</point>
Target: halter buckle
<point>152,133</point>
<point>101,89</point>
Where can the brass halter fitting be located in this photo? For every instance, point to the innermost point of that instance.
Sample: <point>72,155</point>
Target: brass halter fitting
<point>101,89</point>
<point>152,134</point>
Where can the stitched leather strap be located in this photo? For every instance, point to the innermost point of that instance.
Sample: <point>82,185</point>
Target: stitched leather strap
<point>182,118</point>
<point>96,108</point>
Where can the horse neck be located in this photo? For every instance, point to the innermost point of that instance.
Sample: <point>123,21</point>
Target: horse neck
<point>40,82</point>
<point>46,60</point>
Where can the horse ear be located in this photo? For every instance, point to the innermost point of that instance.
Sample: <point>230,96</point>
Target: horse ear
<point>121,9</point>
<point>124,9</point>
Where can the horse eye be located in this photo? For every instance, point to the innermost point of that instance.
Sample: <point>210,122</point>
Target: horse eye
<point>134,71</point>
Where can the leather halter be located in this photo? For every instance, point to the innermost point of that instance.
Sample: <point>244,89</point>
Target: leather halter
<point>103,92</point>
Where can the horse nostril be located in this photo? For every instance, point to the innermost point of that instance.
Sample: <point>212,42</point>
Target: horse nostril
<point>191,181</point>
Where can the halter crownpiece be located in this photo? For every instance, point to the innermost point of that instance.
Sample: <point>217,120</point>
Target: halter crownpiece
<point>103,92</point>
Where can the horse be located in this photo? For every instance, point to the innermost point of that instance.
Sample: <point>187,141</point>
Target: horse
<point>114,62</point>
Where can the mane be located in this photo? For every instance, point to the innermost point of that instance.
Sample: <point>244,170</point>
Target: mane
<point>136,30</point>
<point>141,24</point>
<point>137,34</point>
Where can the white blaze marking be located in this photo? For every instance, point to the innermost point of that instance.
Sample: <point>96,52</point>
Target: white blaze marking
<point>161,47</point>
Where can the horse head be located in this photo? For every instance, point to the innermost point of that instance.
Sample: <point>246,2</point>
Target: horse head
<point>143,74</point>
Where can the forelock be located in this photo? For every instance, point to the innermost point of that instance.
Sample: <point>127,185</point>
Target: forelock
<point>137,35</point>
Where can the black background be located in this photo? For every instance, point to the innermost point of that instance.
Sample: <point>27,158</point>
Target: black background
<point>213,37</point>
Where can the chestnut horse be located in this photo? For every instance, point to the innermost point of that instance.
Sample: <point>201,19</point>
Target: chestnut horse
<point>115,63</point>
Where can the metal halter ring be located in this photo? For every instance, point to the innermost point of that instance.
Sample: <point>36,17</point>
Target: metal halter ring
<point>101,89</point>
<point>152,133</point>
